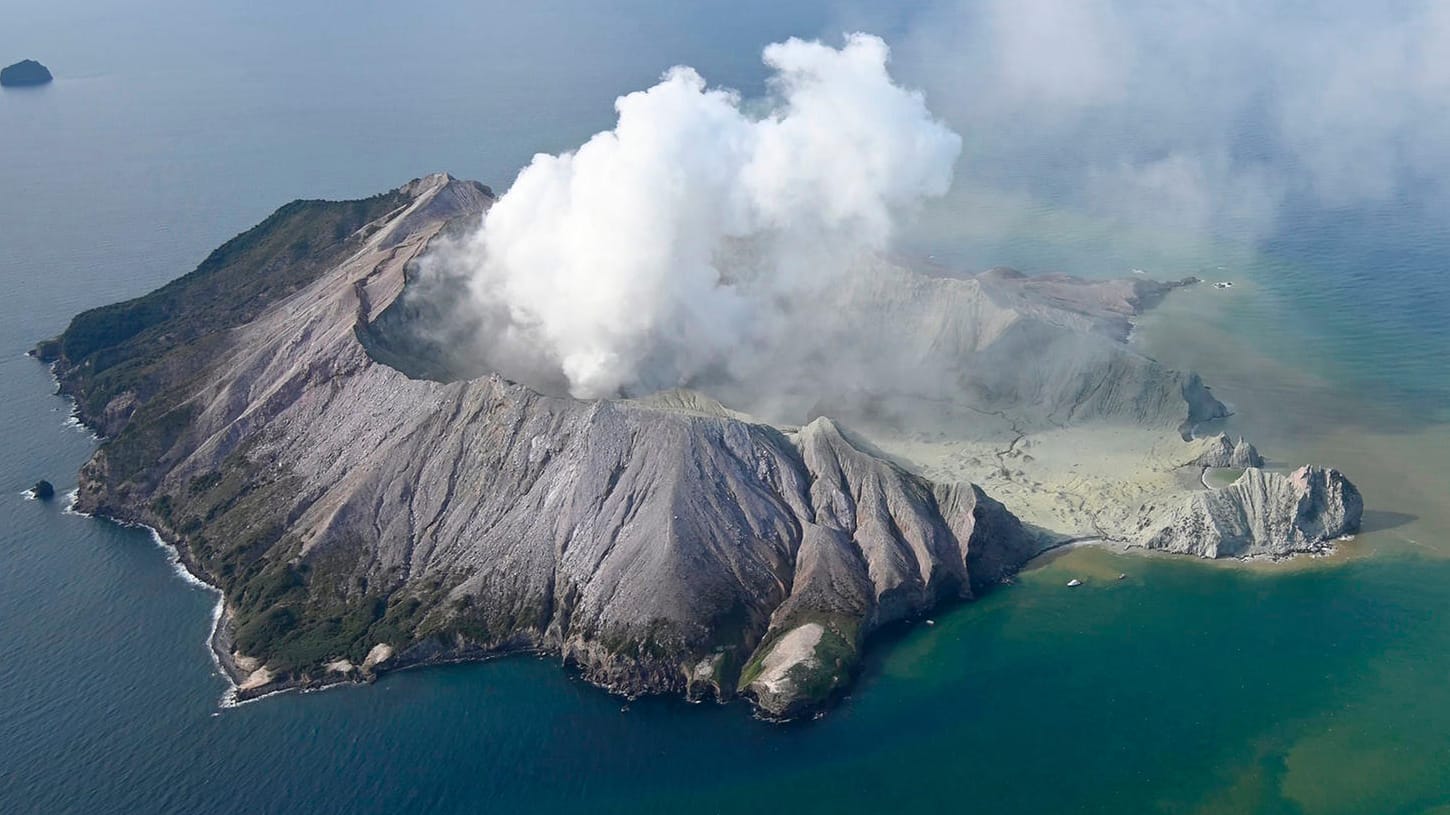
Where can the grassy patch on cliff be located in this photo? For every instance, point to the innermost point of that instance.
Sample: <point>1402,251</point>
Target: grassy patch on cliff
<point>297,637</point>
<point>130,454</point>
<point>286,622</point>
<point>836,653</point>
<point>295,612</point>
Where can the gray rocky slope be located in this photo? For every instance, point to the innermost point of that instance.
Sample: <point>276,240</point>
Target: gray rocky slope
<point>1219,452</point>
<point>1049,349</point>
<point>1261,514</point>
<point>358,519</point>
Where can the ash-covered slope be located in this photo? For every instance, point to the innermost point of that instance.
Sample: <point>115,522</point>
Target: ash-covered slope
<point>1048,350</point>
<point>357,519</point>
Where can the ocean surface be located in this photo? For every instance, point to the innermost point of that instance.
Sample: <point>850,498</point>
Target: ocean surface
<point>1314,687</point>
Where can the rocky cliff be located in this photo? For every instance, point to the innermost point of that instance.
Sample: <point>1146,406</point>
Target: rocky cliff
<point>1261,514</point>
<point>1219,452</point>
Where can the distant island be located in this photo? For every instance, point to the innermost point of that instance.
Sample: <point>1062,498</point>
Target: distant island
<point>288,416</point>
<point>25,73</point>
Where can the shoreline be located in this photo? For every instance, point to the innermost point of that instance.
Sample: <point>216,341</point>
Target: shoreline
<point>219,637</point>
<point>221,663</point>
<point>223,666</point>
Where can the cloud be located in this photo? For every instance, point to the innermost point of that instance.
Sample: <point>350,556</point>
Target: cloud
<point>1204,116</point>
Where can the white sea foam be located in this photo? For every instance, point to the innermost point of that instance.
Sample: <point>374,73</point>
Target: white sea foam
<point>173,556</point>
<point>74,423</point>
<point>70,504</point>
<point>229,696</point>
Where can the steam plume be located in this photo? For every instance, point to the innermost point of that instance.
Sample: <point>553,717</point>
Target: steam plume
<point>663,249</point>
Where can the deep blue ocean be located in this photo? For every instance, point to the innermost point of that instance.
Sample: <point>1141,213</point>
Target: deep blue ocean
<point>1188,688</point>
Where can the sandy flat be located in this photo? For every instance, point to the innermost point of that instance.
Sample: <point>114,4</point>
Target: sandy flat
<point>1092,480</point>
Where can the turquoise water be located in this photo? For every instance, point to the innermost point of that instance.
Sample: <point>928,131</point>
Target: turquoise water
<point>1316,688</point>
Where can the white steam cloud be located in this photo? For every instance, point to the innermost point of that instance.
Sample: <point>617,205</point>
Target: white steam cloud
<point>1202,116</point>
<point>699,225</point>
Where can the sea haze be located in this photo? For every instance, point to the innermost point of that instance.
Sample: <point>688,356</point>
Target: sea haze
<point>1314,687</point>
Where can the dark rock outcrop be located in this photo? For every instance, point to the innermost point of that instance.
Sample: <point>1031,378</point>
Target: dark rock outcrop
<point>24,73</point>
<point>43,490</point>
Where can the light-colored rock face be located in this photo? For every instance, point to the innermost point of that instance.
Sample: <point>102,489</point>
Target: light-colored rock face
<point>1261,514</point>
<point>1245,455</point>
<point>795,651</point>
<point>1218,451</point>
<point>377,655</point>
<point>256,680</point>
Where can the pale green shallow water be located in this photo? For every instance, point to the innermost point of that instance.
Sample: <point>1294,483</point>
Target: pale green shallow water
<point>1320,687</point>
